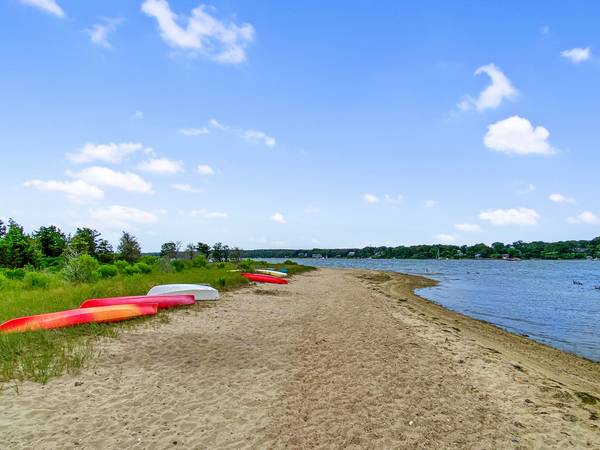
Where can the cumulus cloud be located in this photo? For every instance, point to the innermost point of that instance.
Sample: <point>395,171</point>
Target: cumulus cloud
<point>194,131</point>
<point>203,33</point>
<point>559,198</point>
<point>492,96</point>
<point>99,33</point>
<point>161,166</point>
<point>393,198</point>
<point>258,137</point>
<point>49,6</point>
<point>371,198</point>
<point>586,217</point>
<point>445,238</point>
<point>516,136</point>
<point>121,217</point>
<point>77,191</point>
<point>278,217</point>
<point>216,124</point>
<point>577,55</point>
<point>103,176</point>
<point>512,216</point>
<point>185,188</point>
<point>110,153</point>
<point>205,169</point>
<point>208,214</point>
<point>468,227</point>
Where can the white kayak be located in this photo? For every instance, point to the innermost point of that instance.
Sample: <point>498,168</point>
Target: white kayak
<point>274,273</point>
<point>199,291</point>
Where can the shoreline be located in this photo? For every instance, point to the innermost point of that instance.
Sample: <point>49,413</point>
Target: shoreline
<point>337,358</point>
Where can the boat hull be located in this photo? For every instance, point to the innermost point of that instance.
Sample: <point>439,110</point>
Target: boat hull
<point>273,273</point>
<point>199,291</point>
<point>261,278</point>
<point>162,301</point>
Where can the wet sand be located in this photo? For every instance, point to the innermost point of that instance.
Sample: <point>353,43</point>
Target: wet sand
<point>337,358</point>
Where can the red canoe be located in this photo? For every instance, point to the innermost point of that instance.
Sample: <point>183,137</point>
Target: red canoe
<point>260,278</point>
<point>163,301</point>
<point>73,317</point>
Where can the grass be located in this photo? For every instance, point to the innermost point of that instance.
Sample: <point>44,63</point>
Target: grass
<point>41,355</point>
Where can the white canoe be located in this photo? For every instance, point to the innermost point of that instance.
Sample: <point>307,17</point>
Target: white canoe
<point>199,291</point>
<point>274,273</point>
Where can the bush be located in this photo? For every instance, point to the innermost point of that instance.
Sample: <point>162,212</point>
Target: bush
<point>221,282</point>
<point>221,265</point>
<point>81,269</point>
<point>290,262</point>
<point>14,274</point>
<point>36,280</point>
<point>143,268</point>
<point>131,270</point>
<point>178,265</point>
<point>107,271</point>
<point>3,280</point>
<point>149,259</point>
<point>200,261</point>
<point>164,265</point>
<point>246,266</point>
<point>121,265</point>
<point>51,262</point>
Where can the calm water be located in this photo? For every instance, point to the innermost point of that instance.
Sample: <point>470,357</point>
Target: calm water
<point>536,298</point>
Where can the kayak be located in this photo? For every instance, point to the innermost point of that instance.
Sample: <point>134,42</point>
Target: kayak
<point>199,291</point>
<point>260,278</point>
<point>162,301</point>
<point>74,317</point>
<point>274,273</point>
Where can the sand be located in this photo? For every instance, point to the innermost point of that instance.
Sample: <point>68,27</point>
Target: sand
<point>338,358</point>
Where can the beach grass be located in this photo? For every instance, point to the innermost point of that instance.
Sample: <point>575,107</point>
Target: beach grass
<point>41,355</point>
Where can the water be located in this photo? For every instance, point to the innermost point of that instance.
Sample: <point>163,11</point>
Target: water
<point>534,298</point>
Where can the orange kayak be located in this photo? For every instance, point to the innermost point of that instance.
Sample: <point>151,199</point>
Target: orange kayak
<point>74,317</point>
<point>260,278</point>
<point>162,301</point>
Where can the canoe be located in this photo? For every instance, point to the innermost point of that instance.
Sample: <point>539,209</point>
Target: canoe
<point>162,301</point>
<point>274,273</point>
<point>199,291</point>
<point>74,317</point>
<point>260,278</point>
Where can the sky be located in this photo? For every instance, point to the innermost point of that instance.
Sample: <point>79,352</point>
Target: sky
<point>302,124</point>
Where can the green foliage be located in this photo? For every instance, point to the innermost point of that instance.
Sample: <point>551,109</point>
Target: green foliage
<point>129,249</point>
<point>221,282</point>
<point>179,265</point>
<point>289,262</point>
<point>51,241</point>
<point>15,274</point>
<point>81,269</point>
<point>107,271</point>
<point>36,280</point>
<point>85,241</point>
<point>169,250</point>
<point>131,270</point>
<point>51,262</point>
<point>203,249</point>
<point>164,265</point>
<point>143,268</point>
<point>16,248</point>
<point>121,265</point>
<point>246,265</point>
<point>200,261</point>
<point>104,252</point>
<point>150,260</point>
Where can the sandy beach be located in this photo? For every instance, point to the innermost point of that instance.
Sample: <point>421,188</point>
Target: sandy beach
<point>337,358</point>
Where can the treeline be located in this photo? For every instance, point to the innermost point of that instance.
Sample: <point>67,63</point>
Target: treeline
<point>498,250</point>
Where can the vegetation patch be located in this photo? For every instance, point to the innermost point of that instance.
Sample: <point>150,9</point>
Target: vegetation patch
<point>587,399</point>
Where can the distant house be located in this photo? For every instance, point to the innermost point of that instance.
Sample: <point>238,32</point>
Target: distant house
<point>351,254</point>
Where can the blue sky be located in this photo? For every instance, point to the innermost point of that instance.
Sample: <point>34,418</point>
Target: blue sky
<point>279,124</point>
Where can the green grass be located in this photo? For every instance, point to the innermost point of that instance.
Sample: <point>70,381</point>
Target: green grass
<point>41,355</point>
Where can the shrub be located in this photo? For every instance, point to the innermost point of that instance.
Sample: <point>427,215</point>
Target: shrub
<point>246,266</point>
<point>107,271</point>
<point>290,262</point>
<point>143,268</point>
<point>81,269</point>
<point>131,270</point>
<point>121,265</point>
<point>14,274</point>
<point>200,261</point>
<point>3,280</point>
<point>36,280</point>
<point>149,259</point>
<point>221,282</point>
<point>51,262</point>
<point>178,265</point>
<point>164,265</point>
<point>221,265</point>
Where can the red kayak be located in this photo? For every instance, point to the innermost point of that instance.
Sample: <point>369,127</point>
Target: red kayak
<point>73,317</point>
<point>260,278</point>
<point>163,301</point>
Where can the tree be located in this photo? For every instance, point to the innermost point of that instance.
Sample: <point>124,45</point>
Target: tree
<point>191,250</point>
<point>169,250</point>
<point>217,252</point>
<point>51,241</point>
<point>16,248</point>
<point>226,253</point>
<point>203,249</point>
<point>85,241</point>
<point>2,229</point>
<point>236,254</point>
<point>129,249</point>
<point>104,252</point>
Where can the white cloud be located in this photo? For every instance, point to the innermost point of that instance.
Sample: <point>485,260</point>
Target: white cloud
<point>586,217</point>
<point>121,217</point>
<point>194,131</point>
<point>559,198</point>
<point>393,199</point>
<point>163,166</point>
<point>78,191</point>
<point>516,136</point>
<point>216,124</point>
<point>577,55</point>
<point>512,216</point>
<point>468,227</point>
<point>445,238</point>
<point>371,198</point>
<point>110,153</point>
<point>49,6</point>
<point>203,32</point>
<point>491,97</point>
<point>257,137</point>
<point>99,33</point>
<point>278,217</point>
<point>185,188</point>
<point>207,214</point>
<point>103,176</point>
<point>431,204</point>
<point>205,169</point>
<point>138,115</point>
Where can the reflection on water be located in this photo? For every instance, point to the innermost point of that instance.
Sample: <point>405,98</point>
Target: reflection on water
<point>541,299</point>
